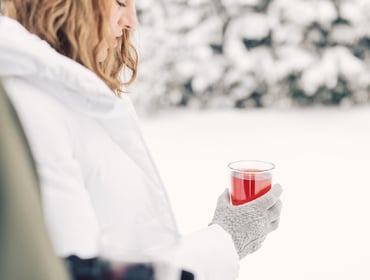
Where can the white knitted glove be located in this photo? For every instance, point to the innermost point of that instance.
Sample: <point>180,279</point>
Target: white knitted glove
<point>248,224</point>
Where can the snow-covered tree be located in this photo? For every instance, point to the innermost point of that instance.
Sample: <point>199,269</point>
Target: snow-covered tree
<point>253,53</point>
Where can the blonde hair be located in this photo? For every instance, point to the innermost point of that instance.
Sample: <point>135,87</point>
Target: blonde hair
<point>78,29</point>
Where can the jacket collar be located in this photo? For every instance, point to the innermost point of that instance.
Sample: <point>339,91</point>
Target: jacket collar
<point>25,55</point>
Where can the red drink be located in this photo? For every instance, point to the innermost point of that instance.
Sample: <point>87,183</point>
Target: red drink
<point>248,184</point>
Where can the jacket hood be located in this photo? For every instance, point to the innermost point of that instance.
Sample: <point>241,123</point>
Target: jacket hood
<point>25,55</point>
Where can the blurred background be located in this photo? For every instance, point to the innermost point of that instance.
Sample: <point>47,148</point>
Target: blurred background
<point>286,81</point>
<point>253,53</point>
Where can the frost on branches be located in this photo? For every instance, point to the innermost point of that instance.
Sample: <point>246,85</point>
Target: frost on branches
<point>252,53</point>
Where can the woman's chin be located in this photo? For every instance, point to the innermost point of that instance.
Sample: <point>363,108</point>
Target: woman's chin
<point>115,43</point>
<point>102,55</point>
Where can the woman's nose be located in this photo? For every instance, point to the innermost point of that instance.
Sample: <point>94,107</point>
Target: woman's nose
<point>129,21</point>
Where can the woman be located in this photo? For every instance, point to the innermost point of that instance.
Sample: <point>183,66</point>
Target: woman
<point>60,62</point>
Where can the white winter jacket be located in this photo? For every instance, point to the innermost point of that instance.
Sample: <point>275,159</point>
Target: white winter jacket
<point>94,167</point>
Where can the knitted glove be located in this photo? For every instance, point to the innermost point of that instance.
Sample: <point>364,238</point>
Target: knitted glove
<point>248,224</point>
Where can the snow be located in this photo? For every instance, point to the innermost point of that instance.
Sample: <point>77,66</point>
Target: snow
<point>344,34</point>
<point>301,13</point>
<point>335,61</point>
<point>287,34</point>
<point>349,65</point>
<point>323,161</point>
<point>206,32</point>
<point>326,12</point>
<point>351,11</point>
<point>207,74</point>
<point>293,59</point>
<point>254,26</point>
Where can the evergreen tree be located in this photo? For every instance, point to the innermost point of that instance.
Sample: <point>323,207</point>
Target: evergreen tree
<point>253,53</point>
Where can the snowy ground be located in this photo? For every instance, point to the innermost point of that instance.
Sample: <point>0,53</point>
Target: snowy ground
<point>323,163</point>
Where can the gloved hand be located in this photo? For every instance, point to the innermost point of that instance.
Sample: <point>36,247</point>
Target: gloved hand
<point>248,224</point>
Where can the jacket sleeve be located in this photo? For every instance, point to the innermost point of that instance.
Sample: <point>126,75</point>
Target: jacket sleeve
<point>69,215</point>
<point>209,253</point>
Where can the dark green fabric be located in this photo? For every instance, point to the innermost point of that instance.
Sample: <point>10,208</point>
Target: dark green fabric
<point>25,247</point>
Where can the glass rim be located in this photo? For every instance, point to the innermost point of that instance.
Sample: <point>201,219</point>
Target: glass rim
<point>270,168</point>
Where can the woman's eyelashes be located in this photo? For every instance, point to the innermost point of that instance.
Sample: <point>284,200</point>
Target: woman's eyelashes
<point>121,3</point>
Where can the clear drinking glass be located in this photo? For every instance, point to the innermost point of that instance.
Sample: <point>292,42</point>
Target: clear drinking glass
<point>250,179</point>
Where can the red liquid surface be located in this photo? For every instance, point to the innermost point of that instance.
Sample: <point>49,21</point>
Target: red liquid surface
<point>246,187</point>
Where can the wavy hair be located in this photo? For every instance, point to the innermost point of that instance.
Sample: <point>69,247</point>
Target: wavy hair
<point>78,29</point>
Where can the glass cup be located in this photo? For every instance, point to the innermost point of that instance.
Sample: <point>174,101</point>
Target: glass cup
<point>250,179</point>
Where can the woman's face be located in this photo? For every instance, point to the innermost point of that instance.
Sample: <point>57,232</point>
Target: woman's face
<point>122,16</point>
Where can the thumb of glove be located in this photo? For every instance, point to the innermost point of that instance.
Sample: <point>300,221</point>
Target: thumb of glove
<point>224,198</point>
